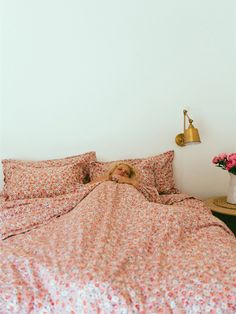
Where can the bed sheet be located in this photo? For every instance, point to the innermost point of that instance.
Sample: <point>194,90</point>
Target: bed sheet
<point>2,199</point>
<point>109,250</point>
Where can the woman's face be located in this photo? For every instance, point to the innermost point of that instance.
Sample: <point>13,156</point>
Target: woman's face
<point>122,170</point>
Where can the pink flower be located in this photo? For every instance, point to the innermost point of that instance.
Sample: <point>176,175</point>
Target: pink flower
<point>230,164</point>
<point>222,156</point>
<point>231,157</point>
<point>215,160</point>
<point>226,162</point>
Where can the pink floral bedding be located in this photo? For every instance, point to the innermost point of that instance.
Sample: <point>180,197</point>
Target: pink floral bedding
<point>107,249</point>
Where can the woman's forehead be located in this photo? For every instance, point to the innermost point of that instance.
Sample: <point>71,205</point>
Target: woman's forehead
<point>124,166</point>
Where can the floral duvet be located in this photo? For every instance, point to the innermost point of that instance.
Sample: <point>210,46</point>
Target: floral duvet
<point>107,249</point>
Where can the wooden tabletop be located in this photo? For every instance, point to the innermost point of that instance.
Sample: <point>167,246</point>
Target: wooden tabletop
<point>219,209</point>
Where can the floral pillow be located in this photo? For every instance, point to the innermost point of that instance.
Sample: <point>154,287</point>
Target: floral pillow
<point>9,165</point>
<point>31,182</point>
<point>143,167</point>
<point>2,199</point>
<point>163,172</point>
<point>154,171</point>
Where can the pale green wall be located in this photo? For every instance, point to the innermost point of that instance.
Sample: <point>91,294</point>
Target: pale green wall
<point>114,76</point>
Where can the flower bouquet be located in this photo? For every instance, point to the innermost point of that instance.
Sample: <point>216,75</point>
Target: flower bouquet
<point>226,162</point>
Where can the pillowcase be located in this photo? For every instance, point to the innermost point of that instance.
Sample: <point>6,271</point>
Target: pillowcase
<point>163,172</point>
<point>154,171</point>
<point>9,165</point>
<point>31,182</point>
<point>144,169</point>
<point>2,199</point>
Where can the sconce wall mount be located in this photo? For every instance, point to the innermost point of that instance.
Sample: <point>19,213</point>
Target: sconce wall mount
<point>190,134</point>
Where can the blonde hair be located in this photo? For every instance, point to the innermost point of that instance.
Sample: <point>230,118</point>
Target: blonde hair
<point>133,172</point>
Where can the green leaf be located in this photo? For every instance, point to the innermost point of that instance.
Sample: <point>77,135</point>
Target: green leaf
<point>233,170</point>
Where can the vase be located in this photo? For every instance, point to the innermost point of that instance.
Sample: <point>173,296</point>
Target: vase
<point>231,195</point>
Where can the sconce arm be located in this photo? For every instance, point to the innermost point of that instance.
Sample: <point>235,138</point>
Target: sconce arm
<point>189,119</point>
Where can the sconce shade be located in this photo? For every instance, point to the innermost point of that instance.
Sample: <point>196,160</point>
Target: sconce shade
<point>191,135</point>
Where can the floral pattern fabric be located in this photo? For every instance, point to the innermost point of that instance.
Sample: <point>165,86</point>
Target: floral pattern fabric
<point>19,216</point>
<point>144,168</point>
<point>107,249</point>
<point>155,171</point>
<point>10,164</point>
<point>28,182</point>
<point>32,169</point>
<point>163,171</point>
<point>2,200</point>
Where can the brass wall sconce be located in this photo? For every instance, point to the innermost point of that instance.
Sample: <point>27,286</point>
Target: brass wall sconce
<point>190,134</point>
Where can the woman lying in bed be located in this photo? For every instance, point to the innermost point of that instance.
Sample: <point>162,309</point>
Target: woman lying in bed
<point>113,251</point>
<point>124,173</point>
<point>120,173</point>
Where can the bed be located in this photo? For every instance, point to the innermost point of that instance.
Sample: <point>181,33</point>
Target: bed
<point>113,248</point>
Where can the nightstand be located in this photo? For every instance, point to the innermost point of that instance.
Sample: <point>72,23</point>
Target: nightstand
<point>218,206</point>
